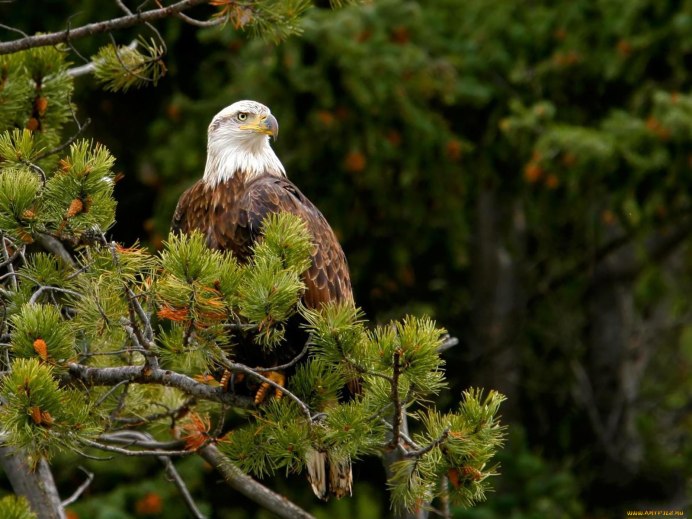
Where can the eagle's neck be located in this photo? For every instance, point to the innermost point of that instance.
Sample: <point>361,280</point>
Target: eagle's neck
<point>250,157</point>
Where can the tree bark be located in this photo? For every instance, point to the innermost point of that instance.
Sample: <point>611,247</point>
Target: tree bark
<point>498,302</point>
<point>37,485</point>
<point>250,488</point>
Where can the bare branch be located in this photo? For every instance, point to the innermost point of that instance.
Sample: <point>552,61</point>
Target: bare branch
<point>140,439</point>
<point>290,363</point>
<point>8,261</point>
<point>53,245</point>
<point>250,488</point>
<point>129,452</point>
<point>43,40</point>
<point>147,375</point>
<point>44,288</point>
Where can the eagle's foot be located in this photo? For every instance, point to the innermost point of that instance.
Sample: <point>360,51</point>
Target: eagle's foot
<point>274,376</point>
<point>230,379</point>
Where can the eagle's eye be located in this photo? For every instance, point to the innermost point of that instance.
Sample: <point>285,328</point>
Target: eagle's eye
<point>242,116</point>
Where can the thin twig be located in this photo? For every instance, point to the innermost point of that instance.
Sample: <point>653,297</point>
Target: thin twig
<point>80,128</point>
<point>424,450</point>
<point>128,452</point>
<point>174,414</point>
<point>202,23</point>
<point>109,393</point>
<point>16,254</point>
<point>13,29</point>
<point>80,490</point>
<point>181,486</point>
<point>148,330</point>
<point>402,435</point>
<point>289,364</point>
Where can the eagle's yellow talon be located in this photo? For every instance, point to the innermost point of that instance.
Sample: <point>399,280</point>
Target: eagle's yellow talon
<point>274,376</point>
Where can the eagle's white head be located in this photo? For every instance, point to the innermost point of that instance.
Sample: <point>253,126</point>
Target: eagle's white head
<point>238,141</point>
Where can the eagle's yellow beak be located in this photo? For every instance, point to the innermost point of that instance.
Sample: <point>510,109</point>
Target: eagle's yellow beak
<point>266,124</point>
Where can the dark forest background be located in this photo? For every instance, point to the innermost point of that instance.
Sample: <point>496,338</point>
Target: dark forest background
<point>519,170</point>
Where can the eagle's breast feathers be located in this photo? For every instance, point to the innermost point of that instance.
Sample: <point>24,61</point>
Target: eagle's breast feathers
<point>230,214</point>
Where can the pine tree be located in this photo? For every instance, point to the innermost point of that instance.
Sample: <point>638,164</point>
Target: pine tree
<point>99,337</point>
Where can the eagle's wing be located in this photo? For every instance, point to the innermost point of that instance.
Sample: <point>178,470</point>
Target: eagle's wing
<point>328,277</point>
<point>192,211</point>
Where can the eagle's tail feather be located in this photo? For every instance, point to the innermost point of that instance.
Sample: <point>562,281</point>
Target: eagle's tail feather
<point>338,482</point>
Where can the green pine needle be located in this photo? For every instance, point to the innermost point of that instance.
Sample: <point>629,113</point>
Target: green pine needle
<point>17,148</point>
<point>19,202</point>
<point>15,507</point>
<point>16,91</point>
<point>268,296</point>
<point>286,236</point>
<point>317,384</point>
<point>187,257</point>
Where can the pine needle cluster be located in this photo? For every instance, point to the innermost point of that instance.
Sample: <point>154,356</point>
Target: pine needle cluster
<point>119,68</point>
<point>38,415</point>
<point>15,507</point>
<point>70,200</point>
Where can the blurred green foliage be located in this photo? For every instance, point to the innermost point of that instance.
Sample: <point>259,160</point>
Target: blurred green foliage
<point>399,117</point>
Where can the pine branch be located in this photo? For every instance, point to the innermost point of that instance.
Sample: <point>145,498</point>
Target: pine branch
<point>140,439</point>
<point>250,488</point>
<point>147,375</point>
<point>44,40</point>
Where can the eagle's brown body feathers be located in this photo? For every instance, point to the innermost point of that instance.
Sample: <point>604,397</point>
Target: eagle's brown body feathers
<point>230,215</point>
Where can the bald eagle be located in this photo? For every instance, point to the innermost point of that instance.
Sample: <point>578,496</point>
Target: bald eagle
<point>243,182</point>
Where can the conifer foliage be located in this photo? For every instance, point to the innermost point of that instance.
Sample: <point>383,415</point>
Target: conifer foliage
<point>98,338</point>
